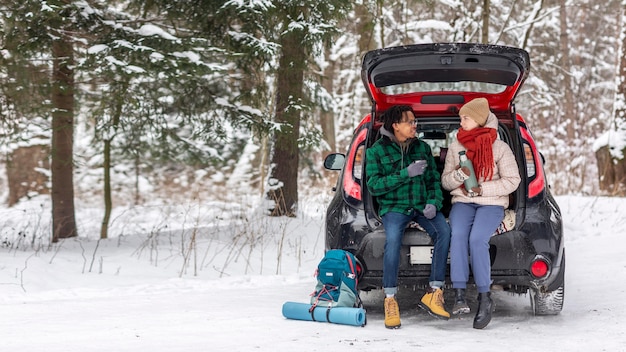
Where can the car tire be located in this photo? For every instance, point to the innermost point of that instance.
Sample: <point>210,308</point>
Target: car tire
<point>551,302</point>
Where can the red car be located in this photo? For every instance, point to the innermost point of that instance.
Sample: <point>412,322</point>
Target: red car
<point>528,252</point>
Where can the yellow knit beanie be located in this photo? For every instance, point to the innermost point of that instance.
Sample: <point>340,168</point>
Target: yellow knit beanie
<point>477,109</point>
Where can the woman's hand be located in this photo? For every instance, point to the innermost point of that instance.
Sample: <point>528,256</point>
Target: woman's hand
<point>461,173</point>
<point>474,192</point>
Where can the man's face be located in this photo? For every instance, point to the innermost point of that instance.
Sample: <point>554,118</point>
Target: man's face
<point>406,128</point>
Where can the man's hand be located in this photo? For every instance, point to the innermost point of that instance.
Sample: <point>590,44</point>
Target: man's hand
<point>430,211</point>
<point>416,168</point>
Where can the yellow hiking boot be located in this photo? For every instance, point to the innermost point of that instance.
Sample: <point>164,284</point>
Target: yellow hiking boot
<point>392,313</point>
<point>432,302</point>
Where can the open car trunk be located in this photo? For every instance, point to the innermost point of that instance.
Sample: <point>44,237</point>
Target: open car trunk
<point>437,79</point>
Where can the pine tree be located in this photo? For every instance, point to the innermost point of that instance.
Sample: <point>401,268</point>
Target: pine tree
<point>163,89</point>
<point>305,26</point>
<point>49,31</point>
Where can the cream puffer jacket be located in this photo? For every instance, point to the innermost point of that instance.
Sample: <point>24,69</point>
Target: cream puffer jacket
<point>496,191</point>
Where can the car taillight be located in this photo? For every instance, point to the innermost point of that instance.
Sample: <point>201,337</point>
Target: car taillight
<point>534,169</point>
<point>539,267</point>
<point>354,163</point>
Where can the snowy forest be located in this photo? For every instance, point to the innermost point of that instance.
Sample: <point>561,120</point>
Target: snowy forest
<point>120,102</point>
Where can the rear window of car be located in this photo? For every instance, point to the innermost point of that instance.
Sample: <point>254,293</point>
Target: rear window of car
<point>438,140</point>
<point>464,86</point>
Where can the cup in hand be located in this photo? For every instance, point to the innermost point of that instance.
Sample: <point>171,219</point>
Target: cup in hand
<point>417,168</point>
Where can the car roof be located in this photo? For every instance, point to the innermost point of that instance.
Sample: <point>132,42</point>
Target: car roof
<point>438,78</point>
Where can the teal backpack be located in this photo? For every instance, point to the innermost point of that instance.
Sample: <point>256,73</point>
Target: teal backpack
<point>337,281</point>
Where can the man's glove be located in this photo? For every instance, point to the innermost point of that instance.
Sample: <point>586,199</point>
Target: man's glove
<point>416,168</point>
<point>430,211</point>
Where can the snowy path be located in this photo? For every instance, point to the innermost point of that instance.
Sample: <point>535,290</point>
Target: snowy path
<point>142,311</point>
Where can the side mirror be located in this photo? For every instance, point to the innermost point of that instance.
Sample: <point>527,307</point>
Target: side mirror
<point>334,161</point>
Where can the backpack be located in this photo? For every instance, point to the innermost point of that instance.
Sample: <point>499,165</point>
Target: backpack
<point>337,281</point>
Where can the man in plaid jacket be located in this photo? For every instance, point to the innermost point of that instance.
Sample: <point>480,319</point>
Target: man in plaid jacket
<point>402,175</point>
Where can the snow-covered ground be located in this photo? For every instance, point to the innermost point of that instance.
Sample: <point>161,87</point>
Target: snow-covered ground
<point>159,285</point>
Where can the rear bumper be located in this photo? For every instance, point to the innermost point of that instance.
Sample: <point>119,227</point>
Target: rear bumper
<point>511,256</point>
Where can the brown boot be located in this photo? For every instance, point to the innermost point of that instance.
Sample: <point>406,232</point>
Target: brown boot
<point>432,302</point>
<point>392,313</point>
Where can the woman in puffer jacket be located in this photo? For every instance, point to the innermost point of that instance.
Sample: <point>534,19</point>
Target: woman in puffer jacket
<point>476,213</point>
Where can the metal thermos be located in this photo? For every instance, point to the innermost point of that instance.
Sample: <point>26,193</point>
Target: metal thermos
<point>471,181</point>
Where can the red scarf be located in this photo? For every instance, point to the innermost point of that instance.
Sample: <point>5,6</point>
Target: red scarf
<point>478,142</point>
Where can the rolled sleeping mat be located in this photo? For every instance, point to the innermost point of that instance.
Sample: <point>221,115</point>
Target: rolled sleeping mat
<point>337,315</point>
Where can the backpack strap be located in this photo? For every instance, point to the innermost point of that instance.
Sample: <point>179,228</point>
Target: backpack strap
<point>359,303</point>
<point>353,269</point>
<point>318,296</point>
<point>317,300</point>
<point>314,305</point>
<point>312,311</point>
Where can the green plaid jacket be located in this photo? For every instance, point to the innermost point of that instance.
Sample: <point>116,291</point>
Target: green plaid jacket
<point>389,181</point>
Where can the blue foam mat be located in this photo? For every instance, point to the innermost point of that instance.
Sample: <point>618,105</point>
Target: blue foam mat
<point>337,315</point>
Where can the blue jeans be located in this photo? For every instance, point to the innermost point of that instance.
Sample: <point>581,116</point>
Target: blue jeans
<point>472,226</point>
<point>438,230</point>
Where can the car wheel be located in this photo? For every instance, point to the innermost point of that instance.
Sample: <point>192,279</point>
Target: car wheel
<point>548,303</point>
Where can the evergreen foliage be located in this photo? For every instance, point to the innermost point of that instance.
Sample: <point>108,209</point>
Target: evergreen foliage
<point>177,86</point>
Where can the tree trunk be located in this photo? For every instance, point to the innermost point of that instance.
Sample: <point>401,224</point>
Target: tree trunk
<point>486,12</point>
<point>565,64</point>
<point>531,25</point>
<point>108,199</point>
<point>63,216</point>
<point>381,20</point>
<point>365,26</point>
<point>284,174</point>
<point>612,171</point>
<point>27,172</point>
<point>327,117</point>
